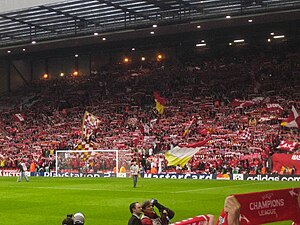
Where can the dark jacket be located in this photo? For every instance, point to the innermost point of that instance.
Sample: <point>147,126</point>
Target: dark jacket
<point>134,221</point>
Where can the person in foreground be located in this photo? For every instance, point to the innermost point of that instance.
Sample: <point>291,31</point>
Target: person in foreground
<point>136,211</point>
<point>150,217</point>
<point>232,208</point>
<point>230,214</point>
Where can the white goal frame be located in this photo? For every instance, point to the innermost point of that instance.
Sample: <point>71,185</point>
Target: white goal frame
<point>84,151</point>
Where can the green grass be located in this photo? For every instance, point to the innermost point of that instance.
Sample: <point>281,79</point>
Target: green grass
<point>46,201</point>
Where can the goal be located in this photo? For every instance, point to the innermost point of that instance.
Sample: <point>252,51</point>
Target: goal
<point>91,163</point>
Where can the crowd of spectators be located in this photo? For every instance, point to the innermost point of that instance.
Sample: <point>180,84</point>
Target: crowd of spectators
<point>47,115</point>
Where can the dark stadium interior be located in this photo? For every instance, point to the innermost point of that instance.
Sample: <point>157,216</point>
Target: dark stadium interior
<point>177,24</point>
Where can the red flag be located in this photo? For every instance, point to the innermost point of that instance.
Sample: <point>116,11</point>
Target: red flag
<point>160,103</point>
<point>195,144</point>
<point>160,99</point>
<point>203,131</point>
<point>241,103</point>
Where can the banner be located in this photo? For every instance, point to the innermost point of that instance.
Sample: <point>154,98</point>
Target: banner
<point>250,157</point>
<point>286,160</point>
<point>269,206</point>
<point>19,117</point>
<point>266,207</point>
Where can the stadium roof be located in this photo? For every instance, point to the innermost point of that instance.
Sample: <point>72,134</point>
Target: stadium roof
<point>77,18</point>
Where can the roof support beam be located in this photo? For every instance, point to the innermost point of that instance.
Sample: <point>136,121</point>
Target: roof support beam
<point>63,13</point>
<point>159,4</point>
<point>124,9</point>
<point>27,23</point>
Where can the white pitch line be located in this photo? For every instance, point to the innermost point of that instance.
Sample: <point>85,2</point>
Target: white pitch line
<point>213,188</point>
<point>136,190</point>
<point>86,189</point>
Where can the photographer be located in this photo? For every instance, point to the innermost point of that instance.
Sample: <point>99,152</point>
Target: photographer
<point>150,217</point>
<point>77,219</point>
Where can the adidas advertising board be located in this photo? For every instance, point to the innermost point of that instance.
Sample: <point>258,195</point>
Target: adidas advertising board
<point>272,177</point>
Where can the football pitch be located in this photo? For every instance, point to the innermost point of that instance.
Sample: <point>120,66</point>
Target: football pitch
<point>105,201</point>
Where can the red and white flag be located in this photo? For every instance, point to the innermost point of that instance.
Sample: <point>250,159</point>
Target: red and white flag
<point>197,220</point>
<point>153,122</point>
<point>144,128</point>
<point>89,124</point>
<point>19,117</point>
<point>287,145</point>
<point>246,134</point>
<point>293,120</point>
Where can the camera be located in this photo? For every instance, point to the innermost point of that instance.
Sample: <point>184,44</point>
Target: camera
<point>168,212</point>
<point>154,201</point>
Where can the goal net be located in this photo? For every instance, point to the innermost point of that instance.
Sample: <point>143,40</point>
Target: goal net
<point>92,163</point>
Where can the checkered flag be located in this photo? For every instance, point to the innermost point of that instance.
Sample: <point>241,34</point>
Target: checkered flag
<point>246,135</point>
<point>86,146</point>
<point>89,124</point>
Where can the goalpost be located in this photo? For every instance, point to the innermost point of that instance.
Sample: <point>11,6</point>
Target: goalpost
<point>91,162</point>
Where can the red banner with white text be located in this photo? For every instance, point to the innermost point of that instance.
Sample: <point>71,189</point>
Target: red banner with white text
<point>267,207</point>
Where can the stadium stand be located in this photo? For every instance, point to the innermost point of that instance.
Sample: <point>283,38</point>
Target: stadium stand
<point>238,101</point>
